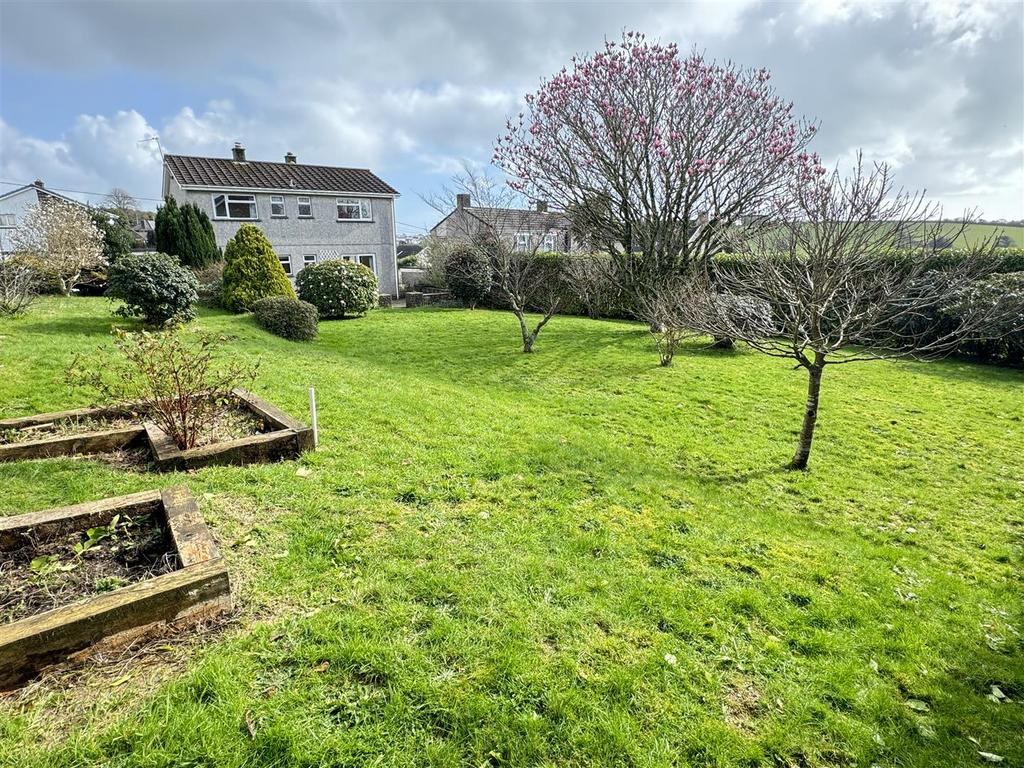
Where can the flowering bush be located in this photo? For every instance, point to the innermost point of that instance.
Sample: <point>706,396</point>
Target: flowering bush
<point>338,288</point>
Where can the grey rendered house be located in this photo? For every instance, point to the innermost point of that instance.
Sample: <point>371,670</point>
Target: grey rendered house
<point>309,213</point>
<point>523,229</point>
<point>15,204</point>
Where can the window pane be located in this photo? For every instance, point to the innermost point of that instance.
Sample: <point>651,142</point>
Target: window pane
<point>241,207</point>
<point>219,206</point>
<point>276,205</point>
<point>366,260</point>
<point>309,258</point>
<point>286,262</point>
<point>305,207</point>
<point>364,208</point>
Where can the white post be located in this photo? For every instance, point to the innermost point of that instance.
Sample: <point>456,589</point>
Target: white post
<point>312,414</point>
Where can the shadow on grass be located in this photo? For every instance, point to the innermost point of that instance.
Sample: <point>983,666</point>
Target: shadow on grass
<point>77,326</point>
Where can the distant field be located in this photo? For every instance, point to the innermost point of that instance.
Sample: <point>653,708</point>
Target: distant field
<point>978,232</point>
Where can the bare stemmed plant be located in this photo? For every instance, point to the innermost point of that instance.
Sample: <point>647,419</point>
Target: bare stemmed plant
<point>173,377</point>
<point>839,293</point>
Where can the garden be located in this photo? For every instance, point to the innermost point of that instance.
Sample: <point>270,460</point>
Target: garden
<point>558,520</point>
<point>570,557</point>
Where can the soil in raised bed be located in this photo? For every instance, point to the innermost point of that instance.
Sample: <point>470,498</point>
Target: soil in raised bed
<point>76,425</point>
<point>49,574</point>
<point>231,424</point>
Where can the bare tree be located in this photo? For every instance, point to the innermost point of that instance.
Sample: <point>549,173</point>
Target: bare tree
<point>17,286</point>
<point>835,295</point>
<point>485,215</point>
<point>60,241</point>
<point>590,277</point>
<point>120,200</point>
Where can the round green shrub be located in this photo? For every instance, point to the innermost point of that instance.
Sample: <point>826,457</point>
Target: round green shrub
<point>251,271</point>
<point>338,288</point>
<point>287,318</point>
<point>153,286</point>
<point>467,271</point>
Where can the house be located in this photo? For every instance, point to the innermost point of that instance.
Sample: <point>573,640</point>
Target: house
<point>13,205</point>
<point>309,213</point>
<point>526,230</point>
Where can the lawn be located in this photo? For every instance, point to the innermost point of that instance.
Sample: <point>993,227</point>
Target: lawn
<point>569,558</point>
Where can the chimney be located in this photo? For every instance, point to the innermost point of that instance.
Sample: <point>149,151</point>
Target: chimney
<point>542,206</point>
<point>238,152</point>
<point>38,183</point>
<point>291,159</point>
<point>462,200</point>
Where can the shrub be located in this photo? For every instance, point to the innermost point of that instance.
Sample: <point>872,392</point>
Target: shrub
<point>211,283</point>
<point>252,271</point>
<point>155,287</point>
<point>288,318</point>
<point>17,287</point>
<point>468,274</point>
<point>338,288</point>
<point>176,379</point>
<point>1004,338</point>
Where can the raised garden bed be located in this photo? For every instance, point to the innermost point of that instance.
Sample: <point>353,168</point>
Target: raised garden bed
<point>254,431</point>
<point>69,606</point>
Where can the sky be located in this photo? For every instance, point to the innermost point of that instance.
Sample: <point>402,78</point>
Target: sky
<point>935,88</point>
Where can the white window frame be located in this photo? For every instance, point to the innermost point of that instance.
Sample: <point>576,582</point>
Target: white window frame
<point>549,242</point>
<point>309,202</point>
<point>308,260</point>
<point>8,220</point>
<point>286,263</point>
<point>278,200</point>
<point>523,241</point>
<point>227,207</point>
<point>355,259</point>
<point>365,214</point>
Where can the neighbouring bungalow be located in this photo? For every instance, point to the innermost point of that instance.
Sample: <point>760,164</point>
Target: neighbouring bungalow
<point>309,213</point>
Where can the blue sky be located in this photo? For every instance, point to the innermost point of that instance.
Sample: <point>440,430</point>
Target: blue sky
<point>411,90</point>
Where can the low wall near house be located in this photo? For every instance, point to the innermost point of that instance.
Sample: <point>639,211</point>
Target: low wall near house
<point>420,299</point>
<point>409,277</point>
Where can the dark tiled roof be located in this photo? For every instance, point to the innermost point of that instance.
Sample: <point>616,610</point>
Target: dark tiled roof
<point>255,174</point>
<point>530,220</point>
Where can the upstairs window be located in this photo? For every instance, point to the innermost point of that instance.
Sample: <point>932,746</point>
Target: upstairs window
<point>277,205</point>
<point>353,209</point>
<point>6,219</point>
<point>234,207</point>
<point>522,241</point>
<point>305,208</point>
<point>549,242</point>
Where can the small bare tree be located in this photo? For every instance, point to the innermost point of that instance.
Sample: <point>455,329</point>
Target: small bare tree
<point>835,294</point>
<point>487,216</point>
<point>590,277</point>
<point>17,286</point>
<point>60,240</point>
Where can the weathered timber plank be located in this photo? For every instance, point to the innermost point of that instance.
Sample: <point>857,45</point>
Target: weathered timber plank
<point>268,411</point>
<point>33,643</point>
<point>70,445</point>
<point>57,522</point>
<point>19,422</point>
<point>161,445</point>
<point>269,446</point>
<point>191,537</point>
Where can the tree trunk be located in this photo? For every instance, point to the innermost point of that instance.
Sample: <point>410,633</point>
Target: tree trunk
<point>528,338</point>
<point>803,449</point>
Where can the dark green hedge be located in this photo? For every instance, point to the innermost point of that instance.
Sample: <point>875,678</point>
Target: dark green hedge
<point>288,318</point>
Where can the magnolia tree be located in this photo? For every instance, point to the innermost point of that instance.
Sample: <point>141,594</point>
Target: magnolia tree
<point>523,277</point>
<point>61,241</point>
<point>655,155</point>
<point>837,291</point>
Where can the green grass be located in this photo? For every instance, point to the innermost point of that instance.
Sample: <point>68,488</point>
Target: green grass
<point>976,233</point>
<point>491,555</point>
